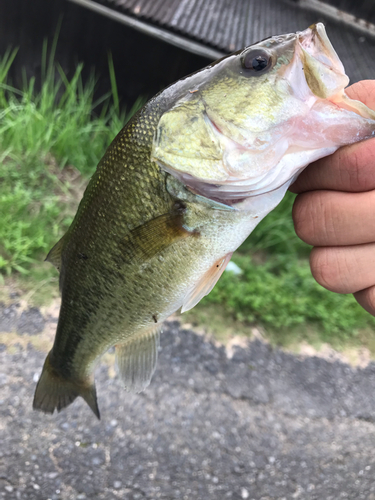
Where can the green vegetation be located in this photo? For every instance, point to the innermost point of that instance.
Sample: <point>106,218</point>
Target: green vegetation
<point>281,294</point>
<point>50,143</point>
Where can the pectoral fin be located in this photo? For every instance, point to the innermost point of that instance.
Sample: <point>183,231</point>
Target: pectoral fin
<point>136,360</point>
<point>151,238</point>
<point>206,283</point>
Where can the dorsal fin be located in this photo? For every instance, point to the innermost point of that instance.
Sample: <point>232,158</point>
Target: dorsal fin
<point>136,360</point>
<point>54,255</point>
<point>206,283</point>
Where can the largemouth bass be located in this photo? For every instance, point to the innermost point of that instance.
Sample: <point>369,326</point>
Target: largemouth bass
<point>178,190</point>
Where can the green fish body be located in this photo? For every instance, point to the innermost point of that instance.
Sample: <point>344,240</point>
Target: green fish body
<point>177,191</point>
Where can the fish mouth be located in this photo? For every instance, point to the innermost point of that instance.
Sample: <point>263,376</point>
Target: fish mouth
<point>321,67</point>
<point>314,40</point>
<point>323,71</point>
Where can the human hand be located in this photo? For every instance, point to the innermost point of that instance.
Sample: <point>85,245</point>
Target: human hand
<point>335,212</point>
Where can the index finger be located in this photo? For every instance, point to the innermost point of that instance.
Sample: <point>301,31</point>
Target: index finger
<point>350,168</point>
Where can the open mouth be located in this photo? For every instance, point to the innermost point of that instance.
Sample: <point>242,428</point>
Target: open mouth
<point>323,70</point>
<point>315,42</point>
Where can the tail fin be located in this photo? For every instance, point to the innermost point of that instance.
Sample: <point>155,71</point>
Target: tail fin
<point>54,392</point>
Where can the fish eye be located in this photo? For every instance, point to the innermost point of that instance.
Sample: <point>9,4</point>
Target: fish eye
<point>256,62</point>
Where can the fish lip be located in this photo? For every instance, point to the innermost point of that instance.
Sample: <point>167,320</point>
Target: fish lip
<point>315,41</point>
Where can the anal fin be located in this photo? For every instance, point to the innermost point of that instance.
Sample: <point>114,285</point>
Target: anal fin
<point>136,360</point>
<point>206,283</point>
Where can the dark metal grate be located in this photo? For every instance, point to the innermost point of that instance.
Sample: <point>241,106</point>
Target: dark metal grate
<point>229,25</point>
<point>363,9</point>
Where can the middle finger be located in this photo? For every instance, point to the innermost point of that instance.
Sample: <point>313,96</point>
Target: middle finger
<point>325,218</point>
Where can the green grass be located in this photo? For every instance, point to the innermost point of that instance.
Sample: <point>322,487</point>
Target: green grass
<point>41,134</point>
<point>281,294</point>
<point>50,143</point>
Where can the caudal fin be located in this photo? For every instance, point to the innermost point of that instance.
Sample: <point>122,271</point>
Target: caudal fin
<point>54,392</point>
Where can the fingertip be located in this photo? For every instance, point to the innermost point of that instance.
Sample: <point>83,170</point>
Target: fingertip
<point>329,268</point>
<point>323,268</point>
<point>366,299</point>
<point>303,216</point>
<point>363,91</point>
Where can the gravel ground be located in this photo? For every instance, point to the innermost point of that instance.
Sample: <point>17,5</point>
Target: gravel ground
<point>263,424</point>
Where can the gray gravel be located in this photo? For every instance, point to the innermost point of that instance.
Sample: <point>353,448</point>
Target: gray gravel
<point>29,321</point>
<point>262,425</point>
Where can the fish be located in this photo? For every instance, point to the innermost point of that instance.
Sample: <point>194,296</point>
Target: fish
<point>181,186</point>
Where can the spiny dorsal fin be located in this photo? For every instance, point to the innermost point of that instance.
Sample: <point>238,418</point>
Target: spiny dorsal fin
<point>206,283</point>
<point>149,239</point>
<point>136,360</point>
<point>54,255</point>
<point>54,392</point>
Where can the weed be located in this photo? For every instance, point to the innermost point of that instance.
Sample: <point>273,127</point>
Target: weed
<point>41,133</point>
<point>281,294</point>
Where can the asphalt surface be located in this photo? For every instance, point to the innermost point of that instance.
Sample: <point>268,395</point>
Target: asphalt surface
<point>264,424</point>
